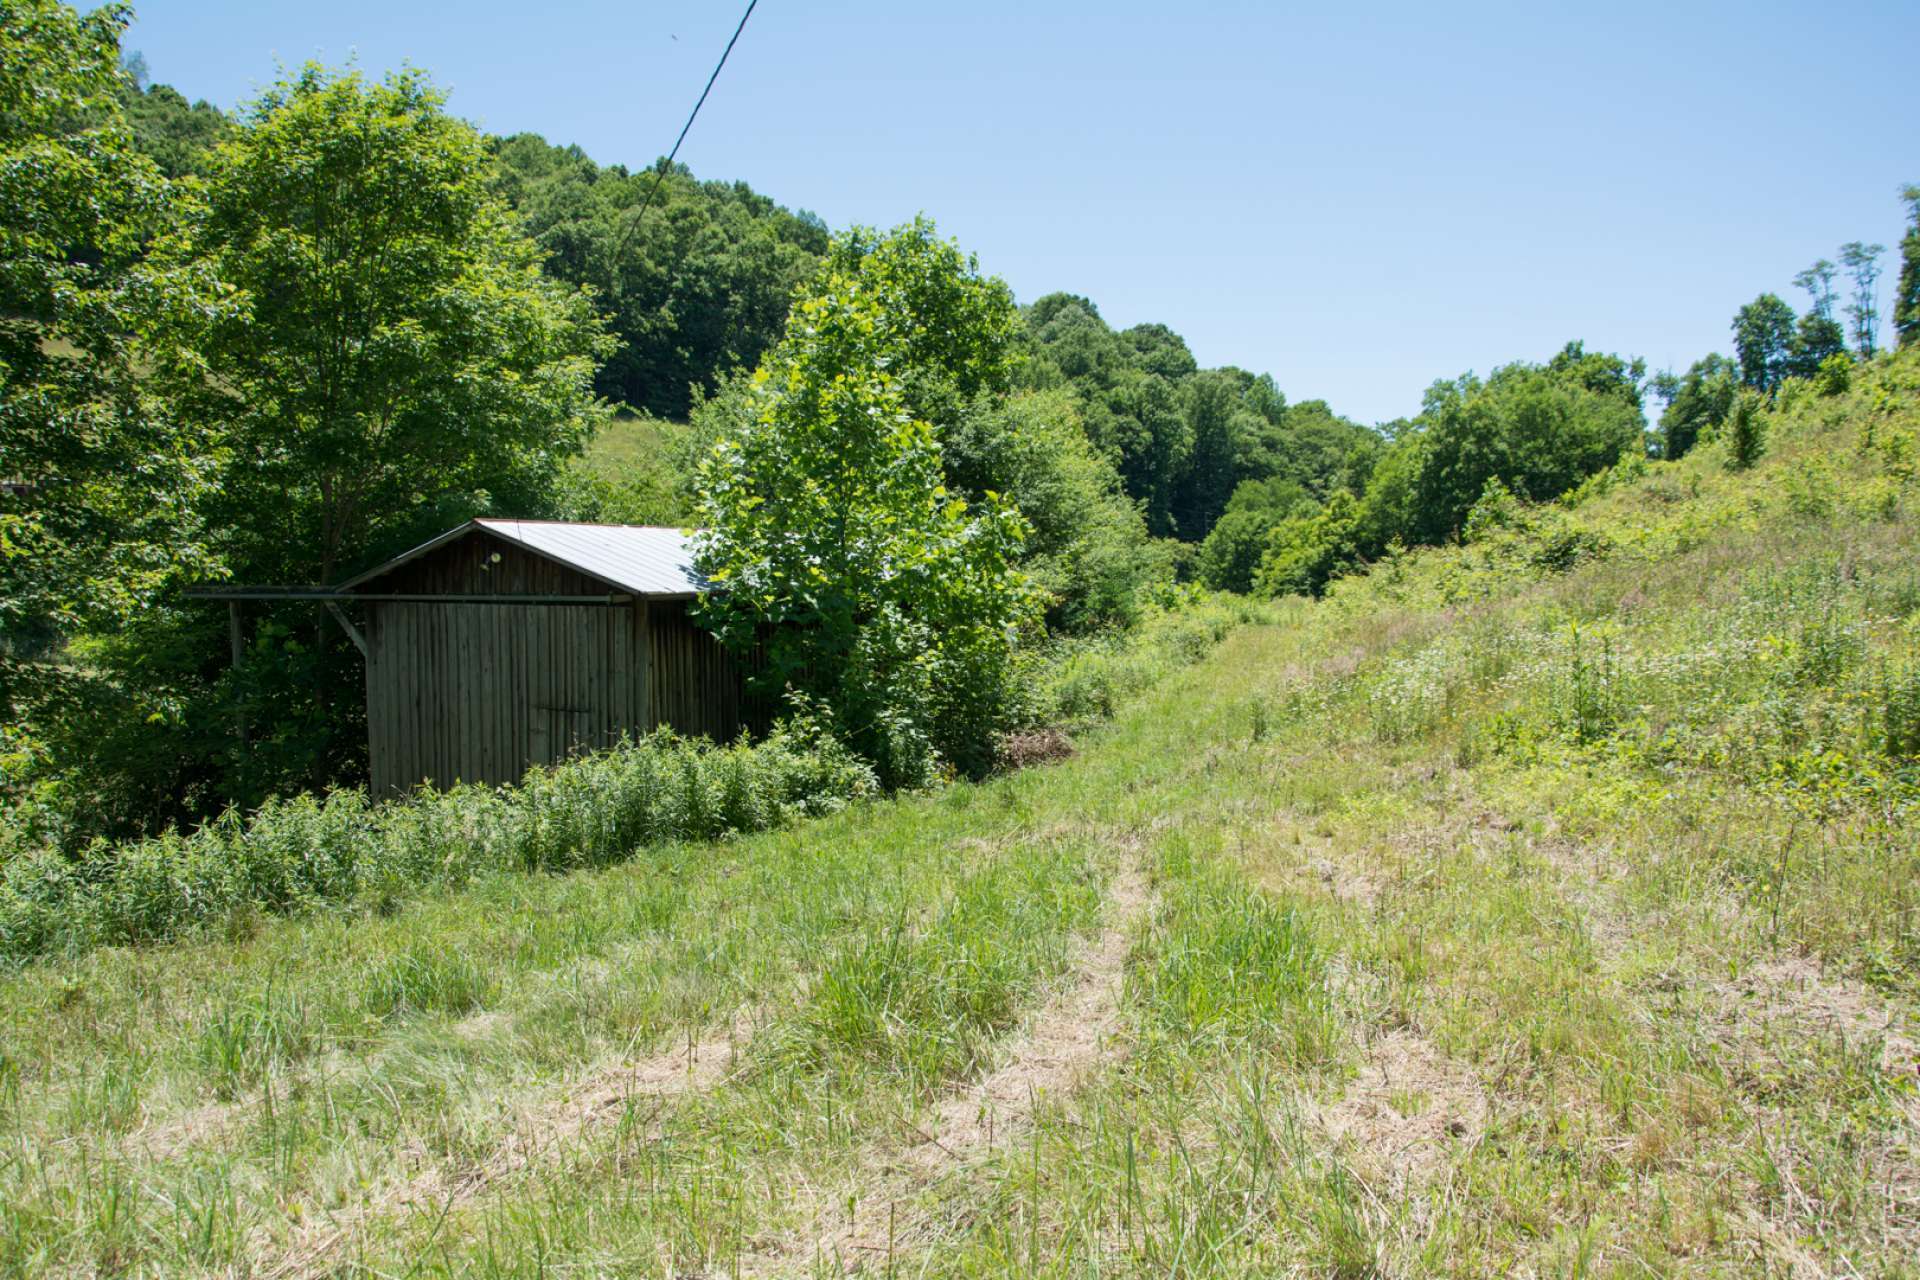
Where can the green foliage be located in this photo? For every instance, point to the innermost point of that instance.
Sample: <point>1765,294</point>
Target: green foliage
<point>633,472</point>
<point>1181,438</point>
<point>1763,339</point>
<point>1079,682</point>
<point>1906,290</point>
<point>1818,340</point>
<point>178,137</point>
<point>1539,429</point>
<point>1087,547</point>
<point>396,363</point>
<point>696,288</point>
<point>400,362</point>
<point>951,332</point>
<point>1304,553</point>
<point>1746,433</point>
<point>99,513</point>
<point>1862,262</point>
<point>831,538</point>
<point>1835,375</point>
<point>1230,555</point>
<point>1131,414</point>
<point>338,852</point>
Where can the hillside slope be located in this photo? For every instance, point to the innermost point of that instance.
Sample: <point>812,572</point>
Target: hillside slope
<point>1544,905</point>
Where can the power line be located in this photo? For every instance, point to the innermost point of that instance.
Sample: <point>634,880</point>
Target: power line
<point>660,174</point>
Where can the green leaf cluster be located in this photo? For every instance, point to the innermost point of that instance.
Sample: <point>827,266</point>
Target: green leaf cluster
<point>101,479</point>
<point>838,554</point>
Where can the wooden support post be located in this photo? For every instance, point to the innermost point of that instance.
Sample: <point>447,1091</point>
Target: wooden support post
<point>346,624</point>
<point>237,642</point>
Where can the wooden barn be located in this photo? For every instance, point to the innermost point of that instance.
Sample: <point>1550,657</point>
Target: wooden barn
<point>507,643</point>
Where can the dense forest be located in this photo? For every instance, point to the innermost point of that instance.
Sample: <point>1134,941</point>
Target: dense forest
<point>282,344</point>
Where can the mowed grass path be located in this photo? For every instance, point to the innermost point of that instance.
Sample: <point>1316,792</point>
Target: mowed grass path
<point>1412,988</point>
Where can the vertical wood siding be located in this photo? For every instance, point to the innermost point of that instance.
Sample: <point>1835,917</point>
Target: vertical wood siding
<point>466,692</point>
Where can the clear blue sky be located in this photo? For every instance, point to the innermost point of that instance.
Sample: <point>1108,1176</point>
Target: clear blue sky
<point>1356,201</point>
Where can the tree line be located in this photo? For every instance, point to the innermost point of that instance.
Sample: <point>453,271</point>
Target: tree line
<point>1771,343</point>
<point>280,345</point>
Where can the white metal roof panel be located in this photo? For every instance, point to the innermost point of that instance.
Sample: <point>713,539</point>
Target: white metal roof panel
<point>642,559</point>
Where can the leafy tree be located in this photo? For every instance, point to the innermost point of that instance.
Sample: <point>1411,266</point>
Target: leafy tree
<point>1763,337</point>
<point>1862,262</point>
<point>1133,415</point>
<point>99,512</point>
<point>1160,351</point>
<point>881,597</point>
<point>1819,335</point>
<point>1906,294</point>
<point>1698,403</point>
<point>1600,372</point>
<point>1817,280</point>
<point>178,136</point>
<point>1087,548</point>
<point>401,362</point>
<point>1230,556</point>
<point>697,287</point>
<point>1540,429</point>
<point>1389,507</point>
<point>1181,437</point>
<point>958,330</point>
<point>1309,444</point>
<point>1304,553</point>
<point>1218,428</point>
<point>1818,339</point>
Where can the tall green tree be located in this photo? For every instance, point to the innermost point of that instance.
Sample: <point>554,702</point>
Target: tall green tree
<point>1763,338</point>
<point>400,361</point>
<point>1230,555</point>
<point>1697,402</point>
<point>100,505</point>
<point>1906,293</point>
<point>1862,262</point>
<point>179,136</point>
<point>1218,430</point>
<point>1817,280</point>
<point>1305,552</point>
<point>1129,402</point>
<point>880,597</point>
<point>1818,335</point>
<point>1087,548</point>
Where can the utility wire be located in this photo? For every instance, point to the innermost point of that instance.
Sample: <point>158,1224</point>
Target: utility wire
<point>660,174</point>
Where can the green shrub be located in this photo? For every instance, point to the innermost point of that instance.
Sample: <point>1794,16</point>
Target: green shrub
<point>1746,434</point>
<point>1896,713</point>
<point>1077,682</point>
<point>341,851</point>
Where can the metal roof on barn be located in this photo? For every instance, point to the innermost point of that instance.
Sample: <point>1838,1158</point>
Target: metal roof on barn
<point>642,559</point>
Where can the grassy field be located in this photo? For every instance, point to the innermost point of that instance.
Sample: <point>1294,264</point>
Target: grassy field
<point>629,467</point>
<point>1542,906</point>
